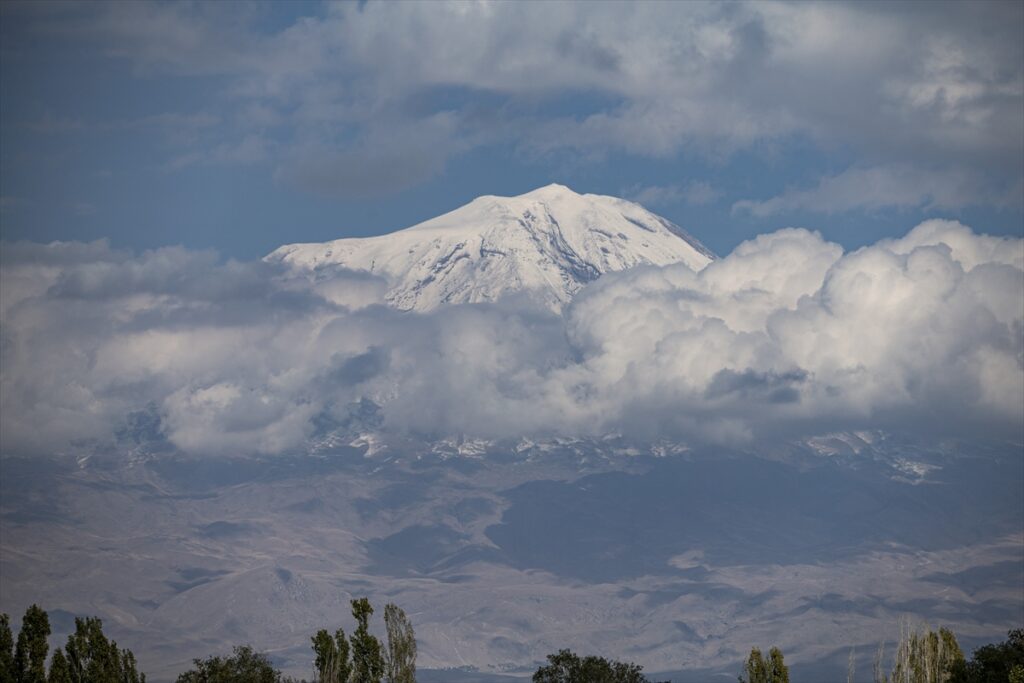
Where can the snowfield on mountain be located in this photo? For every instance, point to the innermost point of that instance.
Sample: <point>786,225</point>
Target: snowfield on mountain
<point>547,243</point>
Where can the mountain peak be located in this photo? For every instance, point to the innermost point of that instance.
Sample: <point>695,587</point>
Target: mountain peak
<point>551,190</point>
<point>547,243</point>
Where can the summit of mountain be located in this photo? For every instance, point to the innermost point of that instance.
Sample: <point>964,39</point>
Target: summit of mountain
<point>547,243</point>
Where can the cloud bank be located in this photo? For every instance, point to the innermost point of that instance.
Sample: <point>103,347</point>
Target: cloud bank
<point>396,90</point>
<point>785,336</point>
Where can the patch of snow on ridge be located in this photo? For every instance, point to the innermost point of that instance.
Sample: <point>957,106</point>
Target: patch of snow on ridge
<point>547,243</point>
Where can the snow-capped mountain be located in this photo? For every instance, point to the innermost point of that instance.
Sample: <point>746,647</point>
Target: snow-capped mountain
<point>547,243</point>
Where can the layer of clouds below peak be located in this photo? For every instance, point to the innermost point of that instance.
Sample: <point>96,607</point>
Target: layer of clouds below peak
<point>785,336</point>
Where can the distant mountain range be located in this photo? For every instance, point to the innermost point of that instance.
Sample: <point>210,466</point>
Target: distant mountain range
<point>547,243</point>
<point>504,553</point>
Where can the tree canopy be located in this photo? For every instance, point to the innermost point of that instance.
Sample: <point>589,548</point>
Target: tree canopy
<point>995,663</point>
<point>245,665</point>
<point>567,667</point>
<point>759,669</point>
<point>89,656</point>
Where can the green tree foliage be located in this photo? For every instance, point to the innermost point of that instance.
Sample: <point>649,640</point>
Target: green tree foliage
<point>332,665</point>
<point>400,658</point>
<point>759,669</point>
<point>995,663</point>
<point>367,656</point>
<point>777,666</point>
<point>32,648</point>
<point>244,666</point>
<point>129,669</point>
<point>567,667</point>
<point>60,672</point>
<point>6,650</point>
<point>93,658</point>
<point>923,656</point>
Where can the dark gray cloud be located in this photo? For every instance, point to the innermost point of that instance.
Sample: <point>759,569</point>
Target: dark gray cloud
<point>360,367</point>
<point>768,386</point>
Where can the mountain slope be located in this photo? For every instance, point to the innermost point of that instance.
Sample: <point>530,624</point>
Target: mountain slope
<point>548,243</point>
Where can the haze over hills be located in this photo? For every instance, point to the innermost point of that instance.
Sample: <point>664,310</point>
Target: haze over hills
<point>503,555</point>
<point>548,243</point>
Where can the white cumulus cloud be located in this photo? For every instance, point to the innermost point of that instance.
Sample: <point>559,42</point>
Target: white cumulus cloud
<point>786,336</point>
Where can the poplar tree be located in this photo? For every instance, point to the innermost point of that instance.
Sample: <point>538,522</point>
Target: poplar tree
<point>129,670</point>
<point>759,669</point>
<point>367,660</point>
<point>923,656</point>
<point>59,670</point>
<point>332,665</point>
<point>30,653</point>
<point>777,669</point>
<point>6,650</point>
<point>400,658</point>
<point>93,658</point>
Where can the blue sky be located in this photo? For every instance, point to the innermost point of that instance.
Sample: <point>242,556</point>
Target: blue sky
<point>243,126</point>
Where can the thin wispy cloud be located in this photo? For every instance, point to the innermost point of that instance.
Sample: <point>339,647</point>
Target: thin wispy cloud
<point>695,193</point>
<point>890,187</point>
